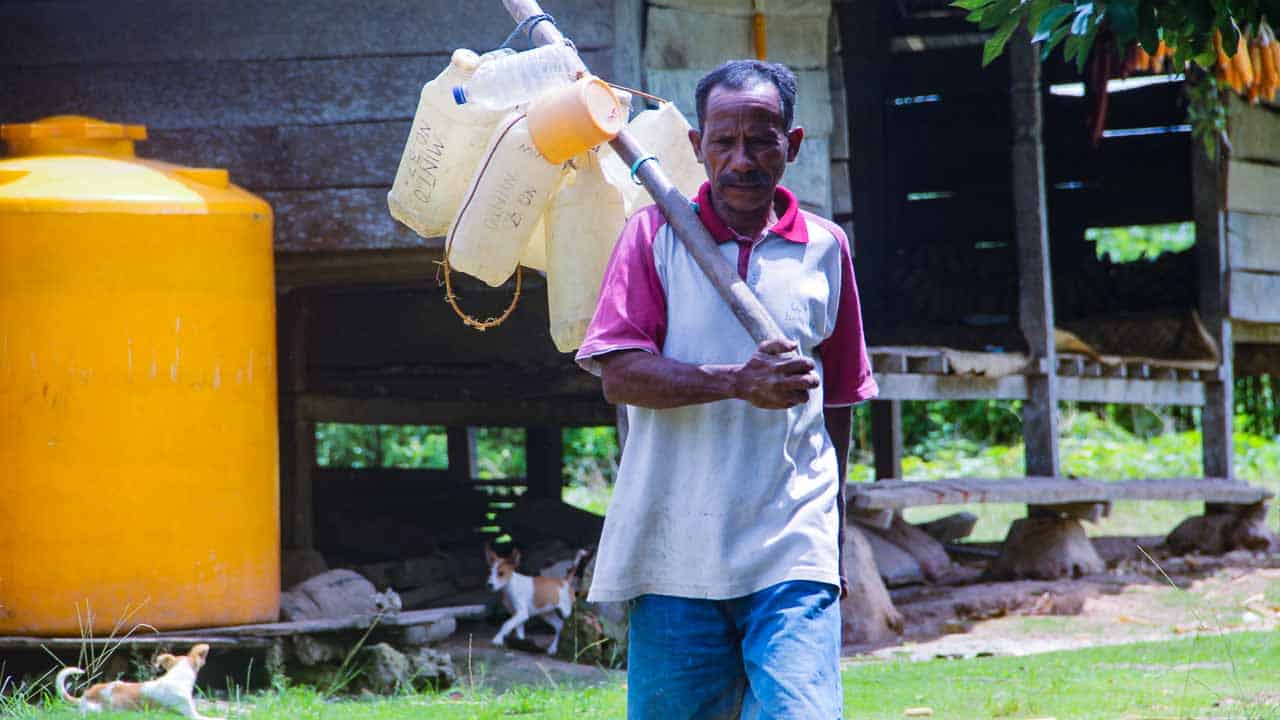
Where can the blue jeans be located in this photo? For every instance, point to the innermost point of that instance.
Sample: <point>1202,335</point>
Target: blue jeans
<point>772,654</point>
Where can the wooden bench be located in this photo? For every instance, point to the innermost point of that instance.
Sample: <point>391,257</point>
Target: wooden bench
<point>1050,542</point>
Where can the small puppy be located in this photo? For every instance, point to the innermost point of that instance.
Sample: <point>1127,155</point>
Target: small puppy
<point>528,596</point>
<point>172,690</point>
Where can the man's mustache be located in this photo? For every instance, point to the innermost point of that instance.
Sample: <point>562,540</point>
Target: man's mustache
<point>754,178</point>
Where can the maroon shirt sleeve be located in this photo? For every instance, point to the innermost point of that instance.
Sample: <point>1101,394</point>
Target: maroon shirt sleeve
<point>846,367</point>
<point>632,311</point>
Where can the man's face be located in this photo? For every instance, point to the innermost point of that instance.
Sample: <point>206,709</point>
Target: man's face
<point>745,145</point>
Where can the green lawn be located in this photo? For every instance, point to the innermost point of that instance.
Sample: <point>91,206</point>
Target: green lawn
<point>1224,676</point>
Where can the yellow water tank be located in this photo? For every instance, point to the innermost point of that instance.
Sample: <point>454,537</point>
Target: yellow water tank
<point>138,453</point>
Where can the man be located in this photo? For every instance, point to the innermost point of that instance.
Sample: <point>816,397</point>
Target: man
<point>725,526</point>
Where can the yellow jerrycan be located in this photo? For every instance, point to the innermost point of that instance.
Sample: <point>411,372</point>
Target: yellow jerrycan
<point>502,208</point>
<point>583,224</point>
<point>443,150</point>
<point>665,133</point>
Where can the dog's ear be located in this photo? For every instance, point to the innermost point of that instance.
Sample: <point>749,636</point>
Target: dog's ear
<point>490,557</point>
<point>198,655</point>
<point>164,661</point>
<point>515,557</point>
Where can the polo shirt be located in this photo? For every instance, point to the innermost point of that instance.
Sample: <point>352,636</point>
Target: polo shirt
<point>721,499</point>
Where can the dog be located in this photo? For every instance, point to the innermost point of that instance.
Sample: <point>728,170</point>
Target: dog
<point>526,596</point>
<point>172,690</point>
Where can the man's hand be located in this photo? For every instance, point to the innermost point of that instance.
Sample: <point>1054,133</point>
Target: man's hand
<point>773,382</point>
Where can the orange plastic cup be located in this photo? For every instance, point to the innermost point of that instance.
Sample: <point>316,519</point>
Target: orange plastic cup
<point>572,119</point>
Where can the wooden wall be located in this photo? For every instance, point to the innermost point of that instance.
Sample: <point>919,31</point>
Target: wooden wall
<point>686,38</point>
<point>306,103</point>
<point>1253,223</point>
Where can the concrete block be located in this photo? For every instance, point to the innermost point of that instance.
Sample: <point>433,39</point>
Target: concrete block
<point>813,107</point>
<point>691,39</point>
<point>809,177</point>
<point>743,8</point>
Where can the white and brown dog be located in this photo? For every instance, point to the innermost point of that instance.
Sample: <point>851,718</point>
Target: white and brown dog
<point>172,691</point>
<point>527,596</point>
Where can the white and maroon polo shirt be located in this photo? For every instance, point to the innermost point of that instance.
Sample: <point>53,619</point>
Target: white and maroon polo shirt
<point>722,499</point>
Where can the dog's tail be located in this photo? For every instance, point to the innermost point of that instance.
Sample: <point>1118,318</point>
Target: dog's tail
<point>61,681</point>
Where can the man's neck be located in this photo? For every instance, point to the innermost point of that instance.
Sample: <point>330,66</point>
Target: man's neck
<point>752,224</point>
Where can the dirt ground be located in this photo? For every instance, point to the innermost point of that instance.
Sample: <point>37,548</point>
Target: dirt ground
<point>1134,601</point>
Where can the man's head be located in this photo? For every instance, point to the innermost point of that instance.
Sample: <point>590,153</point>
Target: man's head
<point>744,136</point>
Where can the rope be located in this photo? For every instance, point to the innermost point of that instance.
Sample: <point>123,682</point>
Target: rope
<point>526,26</point>
<point>640,161</point>
<point>449,296</point>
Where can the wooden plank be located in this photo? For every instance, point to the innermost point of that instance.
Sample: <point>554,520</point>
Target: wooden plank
<point>544,461</point>
<point>1035,287</point>
<point>799,41</point>
<point>744,8</point>
<point>628,44</point>
<point>1089,511</point>
<point>952,72</point>
<point>166,640</point>
<point>256,93</point>
<point>289,157</point>
<point>813,96</point>
<point>1127,391</point>
<point>297,433</point>
<point>1253,241</point>
<point>886,437</point>
<point>461,448</point>
<point>356,267</point>
<point>400,411</point>
<point>897,494</point>
<point>350,622</point>
<point>83,31</point>
<point>951,387</point>
<point>1261,333</point>
<point>1253,187</point>
<point>340,219</point>
<point>1254,131</point>
<point>1253,296</point>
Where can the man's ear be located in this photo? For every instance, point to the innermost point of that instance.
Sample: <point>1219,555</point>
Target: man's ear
<point>695,139</point>
<point>794,137</point>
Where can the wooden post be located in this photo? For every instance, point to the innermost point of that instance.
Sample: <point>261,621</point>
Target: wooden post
<point>886,438</point>
<point>866,50</point>
<point>297,432</point>
<point>461,450</point>
<point>544,462</point>
<point>1035,290</point>
<point>1208,198</point>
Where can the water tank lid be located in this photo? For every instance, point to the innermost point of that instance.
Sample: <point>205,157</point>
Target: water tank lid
<point>71,135</point>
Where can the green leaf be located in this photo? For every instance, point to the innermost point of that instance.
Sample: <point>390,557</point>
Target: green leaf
<point>1054,41</point>
<point>1038,9</point>
<point>1148,27</point>
<point>971,4</point>
<point>1051,20</point>
<point>1124,20</point>
<point>993,47</point>
<point>1084,13</point>
<point>1205,60</point>
<point>997,14</point>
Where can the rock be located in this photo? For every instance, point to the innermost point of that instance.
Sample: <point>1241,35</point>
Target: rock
<point>950,528</point>
<point>1045,548</point>
<point>383,670</point>
<point>928,552</point>
<point>593,635</point>
<point>335,593</point>
<point>432,669</point>
<point>429,633</point>
<point>1217,533</point>
<point>310,650</point>
<point>298,565</point>
<point>896,566</point>
<point>867,614</point>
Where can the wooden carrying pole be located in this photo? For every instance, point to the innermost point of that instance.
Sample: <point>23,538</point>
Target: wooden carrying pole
<point>675,207</point>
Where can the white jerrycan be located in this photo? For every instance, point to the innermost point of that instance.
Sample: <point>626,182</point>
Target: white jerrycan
<point>443,149</point>
<point>665,133</point>
<point>501,209</point>
<point>583,224</point>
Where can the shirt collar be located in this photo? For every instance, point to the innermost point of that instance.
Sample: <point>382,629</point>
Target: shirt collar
<point>790,226</point>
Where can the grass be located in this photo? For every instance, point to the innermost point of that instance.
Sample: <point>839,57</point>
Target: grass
<point>1211,676</point>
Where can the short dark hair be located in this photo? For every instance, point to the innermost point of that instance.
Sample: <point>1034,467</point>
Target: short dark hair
<point>740,74</point>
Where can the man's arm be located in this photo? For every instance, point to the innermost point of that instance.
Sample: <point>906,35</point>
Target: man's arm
<point>839,422</point>
<point>768,380</point>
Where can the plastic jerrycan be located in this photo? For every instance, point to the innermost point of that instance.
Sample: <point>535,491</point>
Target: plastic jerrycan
<point>502,208</point>
<point>665,133</point>
<point>583,224</point>
<point>442,151</point>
